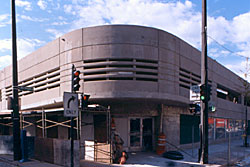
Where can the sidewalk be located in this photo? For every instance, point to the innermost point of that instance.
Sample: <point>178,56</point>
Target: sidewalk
<point>218,156</point>
<point>7,161</point>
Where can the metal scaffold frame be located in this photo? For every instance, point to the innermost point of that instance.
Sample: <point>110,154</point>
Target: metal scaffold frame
<point>44,122</point>
<point>97,109</point>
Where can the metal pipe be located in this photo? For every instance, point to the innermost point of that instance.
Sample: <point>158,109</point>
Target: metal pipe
<point>43,123</point>
<point>110,139</point>
<point>77,126</point>
<point>71,142</point>
<point>161,118</point>
<point>246,126</point>
<point>107,129</point>
<point>229,147</point>
<point>21,121</point>
<point>80,124</point>
<point>193,139</point>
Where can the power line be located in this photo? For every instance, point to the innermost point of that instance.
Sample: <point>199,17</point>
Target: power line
<point>226,47</point>
<point>247,70</point>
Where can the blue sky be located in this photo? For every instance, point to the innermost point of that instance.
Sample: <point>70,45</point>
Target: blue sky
<point>41,21</point>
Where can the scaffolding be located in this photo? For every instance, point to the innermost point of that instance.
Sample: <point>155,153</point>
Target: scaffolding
<point>102,151</point>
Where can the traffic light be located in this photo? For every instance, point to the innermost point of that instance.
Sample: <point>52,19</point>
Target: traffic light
<point>203,92</point>
<point>194,108</point>
<point>76,80</point>
<point>208,92</point>
<point>85,101</point>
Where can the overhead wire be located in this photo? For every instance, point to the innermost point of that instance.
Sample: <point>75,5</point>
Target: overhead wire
<point>246,73</point>
<point>226,47</point>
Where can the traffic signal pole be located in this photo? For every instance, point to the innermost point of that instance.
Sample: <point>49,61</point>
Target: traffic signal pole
<point>71,122</point>
<point>15,107</point>
<point>204,80</point>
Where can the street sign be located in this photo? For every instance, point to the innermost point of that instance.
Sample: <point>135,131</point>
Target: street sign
<point>70,104</point>
<point>195,93</point>
<point>24,88</point>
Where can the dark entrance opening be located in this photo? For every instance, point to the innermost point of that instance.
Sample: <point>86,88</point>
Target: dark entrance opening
<point>189,129</point>
<point>147,134</point>
<point>100,128</point>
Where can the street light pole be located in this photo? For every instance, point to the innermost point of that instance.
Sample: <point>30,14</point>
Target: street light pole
<point>204,80</point>
<point>15,107</point>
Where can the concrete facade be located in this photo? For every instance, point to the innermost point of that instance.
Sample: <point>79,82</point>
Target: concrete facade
<point>132,69</point>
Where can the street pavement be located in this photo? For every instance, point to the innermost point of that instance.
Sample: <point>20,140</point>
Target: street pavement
<point>218,157</point>
<point>7,161</point>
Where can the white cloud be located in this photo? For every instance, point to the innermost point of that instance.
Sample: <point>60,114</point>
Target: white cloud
<point>61,18</point>
<point>68,9</point>
<point>240,68</point>
<point>5,45</point>
<point>42,4</point>
<point>58,6</point>
<point>175,17</point>
<point>25,4</point>
<point>4,20</point>
<point>219,29</point>
<point>24,46</point>
<point>56,33</point>
<point>244,48</point>
<point>178,18</point>
<point>240,28</point>
<point>24,17</point>
<point>4,17</point>
<point>59,23</point>
<point>233,32</point>
<point>215,53</point>
<point>5,61</point>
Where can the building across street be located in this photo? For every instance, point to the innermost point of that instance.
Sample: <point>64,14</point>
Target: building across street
<point>138,79</point>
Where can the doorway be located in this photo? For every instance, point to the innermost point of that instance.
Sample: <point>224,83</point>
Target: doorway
<point>100,128</point>
<point>140,134</point>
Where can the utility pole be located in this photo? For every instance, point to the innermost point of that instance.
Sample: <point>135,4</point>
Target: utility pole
<point>246,85</point>
<point>71,122</point>
<point>204,80</point>
<point>15,107</point>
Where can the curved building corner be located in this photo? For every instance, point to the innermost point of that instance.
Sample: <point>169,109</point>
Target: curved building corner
<point>141,73</point>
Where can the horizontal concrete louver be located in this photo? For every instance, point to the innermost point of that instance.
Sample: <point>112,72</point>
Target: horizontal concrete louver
<point>120,69</point>
<point>187,78</point>
<point>41,82</point>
